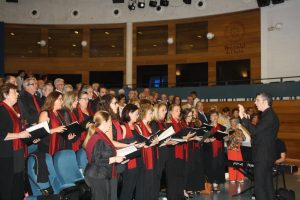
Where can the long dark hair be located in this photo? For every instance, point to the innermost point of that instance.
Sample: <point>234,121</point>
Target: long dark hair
<point>50,99</point>
<point>104,104</point>
<point>129,108</point>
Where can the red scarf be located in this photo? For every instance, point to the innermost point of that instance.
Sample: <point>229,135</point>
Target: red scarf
<point>132,162</point>
<point>117,125</point>
<point>216,145</point>
<point>179,147</point>
<point>37,107</point>
<point>99,135</point>
<point>185,145</point>
<point>54,144</point>
<point>147,152</point>
<point>196,144</point>
<point>16,143</point>
<point>161,125</point>
<point>77,143</point>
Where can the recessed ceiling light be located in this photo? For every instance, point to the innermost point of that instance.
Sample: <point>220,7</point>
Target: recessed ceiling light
<point>113,46</point>
<point>12,34</point>
<point>140,32</point>
<point>155,45</point>
<point>199,36</point>
<point>106,33</point>
<point>74,45</point>
<point>191,45</point>
<point>49,38</point>
<point>76,32</point>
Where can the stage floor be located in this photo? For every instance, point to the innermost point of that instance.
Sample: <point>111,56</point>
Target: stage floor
<point>228,189</point>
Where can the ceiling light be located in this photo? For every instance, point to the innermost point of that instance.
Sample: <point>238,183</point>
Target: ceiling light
<point>131,4</point>
<point>12,34</point>
<point>76,32</point>
<point>154,45</point>
<point>140,33</point>
<point>106,33</point>
<point>153,3</point>
<point>141,3</point>
<point>113,46</point>
<point>164,3</point>
<point>199,36</point>
<point>74,45</point>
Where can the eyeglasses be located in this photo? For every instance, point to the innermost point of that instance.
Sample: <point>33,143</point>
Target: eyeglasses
<point>32,84</point>
<point>86,99</point>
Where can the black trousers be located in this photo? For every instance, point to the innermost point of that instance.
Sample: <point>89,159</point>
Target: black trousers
<point>263,180</point>
<point>131,183</point>
<point>11,184</point>
<point>175,178</point>
<point>100,188</point>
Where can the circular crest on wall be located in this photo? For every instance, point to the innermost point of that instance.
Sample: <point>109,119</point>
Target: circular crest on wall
<point>234,31</point>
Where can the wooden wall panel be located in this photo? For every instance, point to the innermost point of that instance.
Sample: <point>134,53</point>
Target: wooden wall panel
<point>237,36</point>
<point>289,117</point>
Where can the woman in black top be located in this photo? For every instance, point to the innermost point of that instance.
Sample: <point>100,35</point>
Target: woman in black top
<point>101,154</point>
<point>53,142</point>
<point>11,147</point>
<point>132,175</point>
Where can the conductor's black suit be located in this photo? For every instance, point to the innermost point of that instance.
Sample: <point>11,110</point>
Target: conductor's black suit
<point>264,152</point>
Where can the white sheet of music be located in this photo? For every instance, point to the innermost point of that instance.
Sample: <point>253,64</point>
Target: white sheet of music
<point>125,151</point>
<point>167,133</point>
<point>178,140</point>
<point>38,126</point>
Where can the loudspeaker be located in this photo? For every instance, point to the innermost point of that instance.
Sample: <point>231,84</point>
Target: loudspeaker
<point>277,1</point>
<point>263,3</point>
<point>118,1</point>
<point>187,1</point>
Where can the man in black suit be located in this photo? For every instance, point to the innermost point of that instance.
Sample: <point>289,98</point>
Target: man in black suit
<point>201,115</point>
<point>264,145</point>
<point>28,103</point>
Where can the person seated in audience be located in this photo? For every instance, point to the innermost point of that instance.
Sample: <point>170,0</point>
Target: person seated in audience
<point>224,118</point>
<point>47,89</point>
<point>50,113</point>
<point>281,151</point>
<point>112,92</point>
<point>40,85</point>
<point>131,94</point>
<point>68,88</point>
<point>28,103</point>
<point>235,114</point>
<point>201,115</point>
<point>10,79</point>
<point>171,98</point>
<point>195,97</point>
<point>250,111</point>
<point>121,91</point>
<point>254,118</point>
<point>164,98</point>
<point>96,87</point>
<point>11,146</point>
<point>78,87</point>
<point>146,93</point>
<point>103,91</point>
<point>92,104</point>
<point>102,156</point>
<point>135,101</point>
<point>121,102</point>
<point>177,101</point>
<point>234,141</point>
<point>155,96</point>
<point>190,102</point>
<point>20,79</point>
<point>59,84</point>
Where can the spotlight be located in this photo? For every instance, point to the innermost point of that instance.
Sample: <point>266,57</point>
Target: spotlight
<point>141,3</point>
<point>164,3</point>
<point>153,3</point>
<point>131,5</point>
<point>187,1</point>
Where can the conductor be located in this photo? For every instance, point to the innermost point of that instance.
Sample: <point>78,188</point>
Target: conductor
<point>264,145</point>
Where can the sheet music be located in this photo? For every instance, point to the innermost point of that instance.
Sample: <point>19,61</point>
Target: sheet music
<point>167,133</point>
<point>38,126</point>
<point>125,151</point>
<point>178,140</point>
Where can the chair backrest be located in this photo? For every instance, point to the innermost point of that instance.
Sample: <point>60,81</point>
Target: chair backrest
<point>35,186</point>
<point>66,167</point>
<point>81,159</point>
